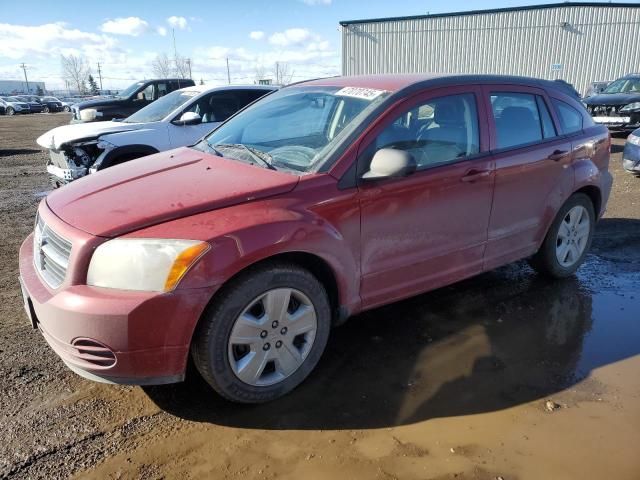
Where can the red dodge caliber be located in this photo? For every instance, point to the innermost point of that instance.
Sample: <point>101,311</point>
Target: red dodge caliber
<point>317,202</point>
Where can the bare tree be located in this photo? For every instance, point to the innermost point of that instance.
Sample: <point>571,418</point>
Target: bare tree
<point>182,66</point>
<point>260,73</point>
<point>162,66</point>
<point>283,73</point>
<point>75,71</point>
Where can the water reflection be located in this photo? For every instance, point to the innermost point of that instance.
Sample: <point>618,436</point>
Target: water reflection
<point>492,342</point>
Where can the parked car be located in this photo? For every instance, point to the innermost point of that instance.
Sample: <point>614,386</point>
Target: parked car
<point>130,100</point>
<point>631,153</point>
<point>68,102</point>
<point>34,103</point>
<point>596,87</point>
<point>618,106</point>
<point>322,200</point>
<point>178,119</point>
<point>15,105</point>
<point>51,104</point>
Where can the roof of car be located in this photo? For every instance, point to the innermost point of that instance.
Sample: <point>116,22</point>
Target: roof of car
<point>209,88</point>
<point>397,82</point>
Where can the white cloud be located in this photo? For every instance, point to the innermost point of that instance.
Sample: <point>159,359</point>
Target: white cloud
<point>291,36</point>
<point>177,22</point>
<point>161,31</point>
<point>257,35</point>
<point>132,26</point>
<point>317,2</point>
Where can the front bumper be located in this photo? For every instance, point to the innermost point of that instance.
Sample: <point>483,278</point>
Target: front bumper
<point>623,122</point>
<point>110,335</point>
<point>631,158</point>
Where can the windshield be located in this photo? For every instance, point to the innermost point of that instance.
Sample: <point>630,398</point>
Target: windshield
<point>50,99</point>
<point>15,99</point>
<point>294,128</point>
<point>624,85</point>
<point>127,92</point>
<point>156,111</point>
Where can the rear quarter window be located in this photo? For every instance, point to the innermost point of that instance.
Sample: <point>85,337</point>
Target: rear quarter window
<point>571,120</point>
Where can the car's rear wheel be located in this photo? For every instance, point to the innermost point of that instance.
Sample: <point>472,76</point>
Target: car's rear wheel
<point>568,239</point>
<point>263,334</point>
<point>45,109</point>
<point>10,111</point>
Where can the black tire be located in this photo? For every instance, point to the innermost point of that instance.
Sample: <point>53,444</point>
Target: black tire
<point>545,261</point>
<point>66,108</point>
<point>10,111</point>
<point>209,347</point>
<point>45,109</point>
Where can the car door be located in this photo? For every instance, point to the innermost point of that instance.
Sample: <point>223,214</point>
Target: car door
<point>429,228</point>
<point>532,174</point>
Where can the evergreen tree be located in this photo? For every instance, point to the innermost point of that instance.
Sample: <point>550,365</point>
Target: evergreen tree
<point>93,86</point>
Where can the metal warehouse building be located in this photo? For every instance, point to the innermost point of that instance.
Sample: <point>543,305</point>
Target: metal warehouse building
<point>578,42</point>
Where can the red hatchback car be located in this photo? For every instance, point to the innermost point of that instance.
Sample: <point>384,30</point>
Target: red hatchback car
<point>317,202</point>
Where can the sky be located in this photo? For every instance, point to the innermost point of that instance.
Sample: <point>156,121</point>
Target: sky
<point>126,36</point>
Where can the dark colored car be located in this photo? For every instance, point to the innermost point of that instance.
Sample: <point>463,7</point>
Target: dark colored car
<point>618,106</point>
<point>631,154</point>
<point>35,106</point>
<point>51,104</point>
<point>129,101</point>
<point>319,201</point>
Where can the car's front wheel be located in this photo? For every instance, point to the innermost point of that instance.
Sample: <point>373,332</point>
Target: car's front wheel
<point>45,109</point>
<point>264,333</point>
<point>67,108</point>
<point>10,111</point>
<point>568,239</point>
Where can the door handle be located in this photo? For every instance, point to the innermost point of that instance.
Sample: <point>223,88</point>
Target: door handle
<point>473,175</point>
<point>558,155</point>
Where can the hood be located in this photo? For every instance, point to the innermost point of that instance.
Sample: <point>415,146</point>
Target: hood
<point>100,103</point>
<point>612,99</point>
<point>162,187</point>
<point>59,136</point>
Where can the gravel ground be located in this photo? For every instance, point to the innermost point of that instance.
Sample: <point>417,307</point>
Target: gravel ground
<point>504,375</point>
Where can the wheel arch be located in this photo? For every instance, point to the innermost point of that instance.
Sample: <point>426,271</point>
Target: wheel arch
<point>595,195</point>
<point>127,151</point>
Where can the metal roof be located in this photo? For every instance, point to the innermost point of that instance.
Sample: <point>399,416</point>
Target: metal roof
<point>493,10</point>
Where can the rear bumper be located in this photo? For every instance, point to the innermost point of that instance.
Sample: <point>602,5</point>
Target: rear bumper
<point>110,335</point>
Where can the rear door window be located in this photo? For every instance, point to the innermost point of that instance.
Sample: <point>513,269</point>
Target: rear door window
<point>520,119</point>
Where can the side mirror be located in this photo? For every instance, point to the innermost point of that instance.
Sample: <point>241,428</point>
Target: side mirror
<point>188,118</point>
<point>390,163</point>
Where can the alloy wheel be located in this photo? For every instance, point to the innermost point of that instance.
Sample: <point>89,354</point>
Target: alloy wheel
<point>573,236</point>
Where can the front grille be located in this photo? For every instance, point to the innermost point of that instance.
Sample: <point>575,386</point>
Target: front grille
<point>604,110</point>
<point>51,254</point>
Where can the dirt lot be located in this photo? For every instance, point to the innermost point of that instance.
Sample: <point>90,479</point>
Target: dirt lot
<point>451,384</point>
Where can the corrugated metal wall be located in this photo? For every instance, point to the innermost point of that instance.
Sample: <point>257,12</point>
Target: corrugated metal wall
<point>599,43</point>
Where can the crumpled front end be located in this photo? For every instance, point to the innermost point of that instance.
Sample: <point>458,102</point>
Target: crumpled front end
<point>74,161</point>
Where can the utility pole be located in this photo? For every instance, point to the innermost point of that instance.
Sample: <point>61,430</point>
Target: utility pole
<point>189,65</point>
<point>100,76</point>
<point>228,73</point>
<point>24,69</point>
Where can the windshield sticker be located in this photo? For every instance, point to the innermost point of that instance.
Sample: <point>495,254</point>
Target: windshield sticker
<point>358,92</point>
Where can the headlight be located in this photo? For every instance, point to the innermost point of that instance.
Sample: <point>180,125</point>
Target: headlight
<point>106,146</point>
<point>631,106</point>
<point>88,114</point>
<point>633,140</point>
<point>149,264</point>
